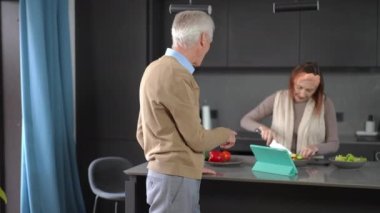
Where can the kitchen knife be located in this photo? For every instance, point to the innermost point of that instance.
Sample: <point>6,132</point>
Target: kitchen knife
<point>275,144</point>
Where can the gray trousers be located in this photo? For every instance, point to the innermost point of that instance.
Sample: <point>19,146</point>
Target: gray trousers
<point>172,194</point>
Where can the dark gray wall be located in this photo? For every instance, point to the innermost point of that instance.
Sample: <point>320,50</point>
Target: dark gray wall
<point>111,52</point>
<point>11,102</point>
<point>355,92</point>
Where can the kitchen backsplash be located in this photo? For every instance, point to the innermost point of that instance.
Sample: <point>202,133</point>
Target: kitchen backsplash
<point>354,91</point>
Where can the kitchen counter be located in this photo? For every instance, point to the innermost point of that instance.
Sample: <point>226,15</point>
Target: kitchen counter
<point>315,182</point>
<point>348,144</point>
<point>243,135</point>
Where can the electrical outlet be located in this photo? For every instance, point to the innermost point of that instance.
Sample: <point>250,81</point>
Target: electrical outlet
<point>377,156</point>
<point>340,116</point>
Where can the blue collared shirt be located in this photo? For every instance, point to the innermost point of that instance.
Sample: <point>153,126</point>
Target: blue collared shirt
<point>181,59</point>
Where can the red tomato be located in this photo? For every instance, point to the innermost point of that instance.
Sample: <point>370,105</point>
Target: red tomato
<point>215,156</point>
<point>226,155</point>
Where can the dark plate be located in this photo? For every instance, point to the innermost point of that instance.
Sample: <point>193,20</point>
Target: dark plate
<point>303,162</point>
<point>233,161</point>
<point>316,161</point>
<point>346,165</point>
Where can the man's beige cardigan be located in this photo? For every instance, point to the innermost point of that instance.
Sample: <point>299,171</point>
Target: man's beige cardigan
<point>169,127</point>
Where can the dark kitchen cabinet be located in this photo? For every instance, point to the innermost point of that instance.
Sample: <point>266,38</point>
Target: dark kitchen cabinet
<point>247,34</point>
<point>378,36</point>
<point>342,33</point>
<point>259,38</point>
<point>217,56</point>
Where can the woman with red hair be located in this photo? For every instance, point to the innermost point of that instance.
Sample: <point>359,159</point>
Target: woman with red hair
<point>303,117</point>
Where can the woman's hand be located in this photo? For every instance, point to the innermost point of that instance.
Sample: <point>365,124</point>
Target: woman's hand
<point>267,134</point>
<point>309,151</point>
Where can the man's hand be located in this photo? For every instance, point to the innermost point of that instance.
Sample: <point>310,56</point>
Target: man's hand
<point>207,171</point>
<point>230,141</point>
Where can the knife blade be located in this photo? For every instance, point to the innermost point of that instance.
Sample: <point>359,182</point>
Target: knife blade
<point>275,144</point>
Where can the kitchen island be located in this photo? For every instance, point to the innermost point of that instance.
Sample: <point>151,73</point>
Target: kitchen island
<point>235,188</point>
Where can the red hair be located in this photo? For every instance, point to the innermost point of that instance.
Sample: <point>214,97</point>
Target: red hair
<point>309,67</point>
